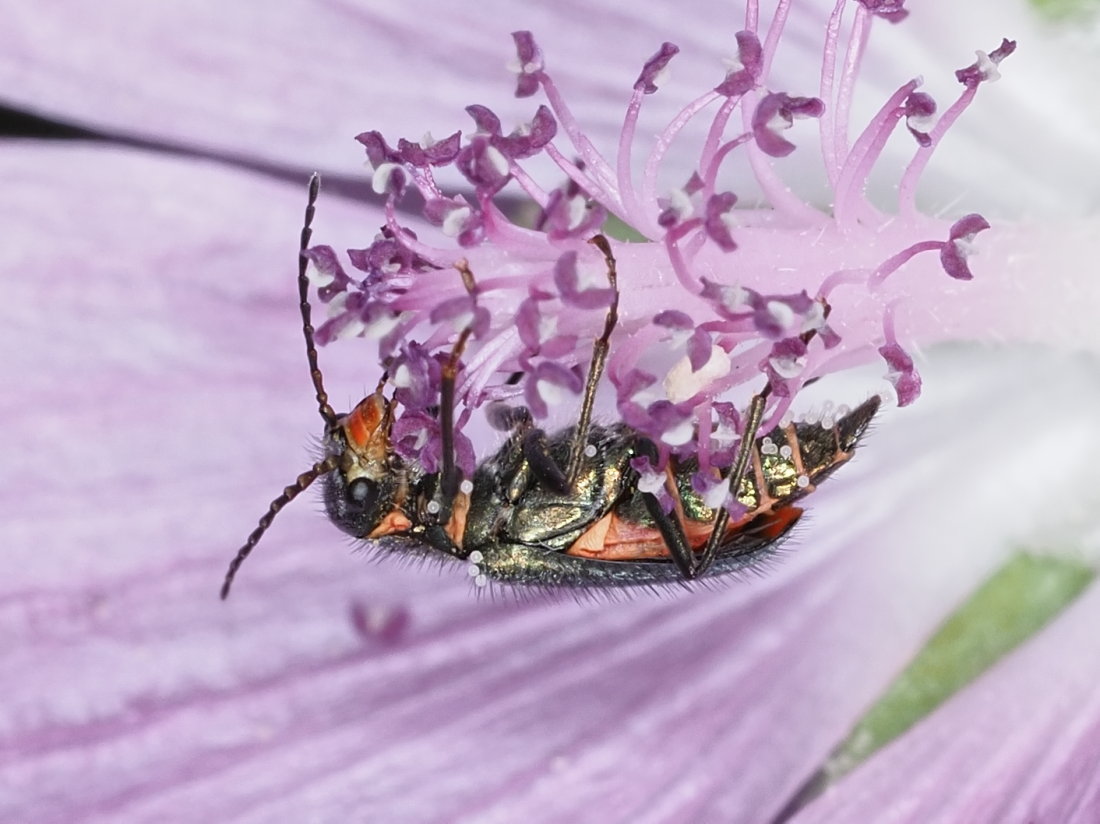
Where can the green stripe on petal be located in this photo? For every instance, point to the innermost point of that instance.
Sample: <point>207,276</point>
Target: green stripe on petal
<point>1066,9</point>
<point>1016,602</point>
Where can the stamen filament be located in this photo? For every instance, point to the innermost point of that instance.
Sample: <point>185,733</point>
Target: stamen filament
<point>664,141</point>
<point>857,44</point>
<point>907,188</point>
<point>827,125</point>
<point>865,151</point>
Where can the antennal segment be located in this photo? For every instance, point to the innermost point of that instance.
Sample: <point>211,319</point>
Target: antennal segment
<point>323,407</point>
<point>289,494</point>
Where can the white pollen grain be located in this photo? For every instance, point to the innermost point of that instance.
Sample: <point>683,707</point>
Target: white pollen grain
<point>497,159</point>
<point>679,434</point>
<point>455,221</point>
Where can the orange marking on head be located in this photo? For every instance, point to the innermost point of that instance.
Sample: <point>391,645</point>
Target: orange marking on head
<point>362,422</point>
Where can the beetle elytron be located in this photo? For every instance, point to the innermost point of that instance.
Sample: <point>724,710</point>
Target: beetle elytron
<point>560,510</point>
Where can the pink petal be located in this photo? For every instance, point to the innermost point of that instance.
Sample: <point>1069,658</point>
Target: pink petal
<point>290,84</point>
<point>159,359</point>
<point>1021,744</point>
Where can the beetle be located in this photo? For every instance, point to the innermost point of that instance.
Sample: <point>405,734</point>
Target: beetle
<point>565,509</point>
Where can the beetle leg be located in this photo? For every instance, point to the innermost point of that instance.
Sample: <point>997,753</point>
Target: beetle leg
<point>595,368</point>
<point>449,476</point>
<point>536,452</point>
<point>737,472</point>
<point>533,446</point>
<point>669,524</point>
<point>504,418</point>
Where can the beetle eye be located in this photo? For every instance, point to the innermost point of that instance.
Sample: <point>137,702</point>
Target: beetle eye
<point>360,491</point>
<point>357,505</point>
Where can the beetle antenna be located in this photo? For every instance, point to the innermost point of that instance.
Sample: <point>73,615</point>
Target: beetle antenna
<point>323,406</point>
<point>289,494</point>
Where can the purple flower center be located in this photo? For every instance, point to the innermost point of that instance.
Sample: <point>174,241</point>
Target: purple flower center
<point>716,298</point>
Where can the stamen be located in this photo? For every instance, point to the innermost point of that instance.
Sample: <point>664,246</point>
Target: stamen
<point>903,373</point>
<point>971,78</point>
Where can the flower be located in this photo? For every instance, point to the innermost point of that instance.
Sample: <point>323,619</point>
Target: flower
<point>150,346</point>
<point>536,314</point>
